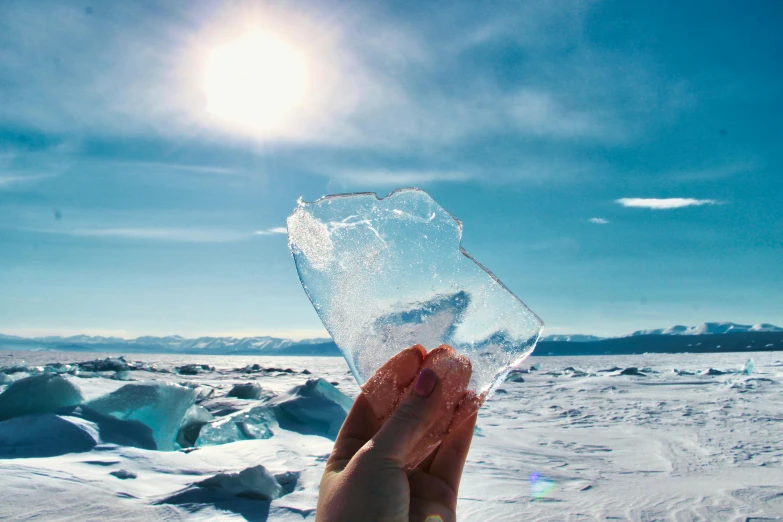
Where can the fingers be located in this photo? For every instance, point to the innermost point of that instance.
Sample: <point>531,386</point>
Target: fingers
<point>392,381</point>
<point>359,426</point>
<point>434,492</point>
<point>411,421</point>
<point>468,406</point>
<point>450,457</point>
<point>455,372</point>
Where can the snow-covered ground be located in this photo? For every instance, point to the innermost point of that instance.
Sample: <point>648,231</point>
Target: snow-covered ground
<point>569,443</point>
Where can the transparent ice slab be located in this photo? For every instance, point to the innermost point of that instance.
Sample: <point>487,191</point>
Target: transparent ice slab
<point>385,274</point>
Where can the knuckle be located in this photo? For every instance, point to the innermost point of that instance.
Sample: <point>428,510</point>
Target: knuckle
<point>408,413</point>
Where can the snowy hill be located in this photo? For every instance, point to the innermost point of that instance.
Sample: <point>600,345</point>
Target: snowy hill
<point>574,338</point>
<point>710,329</point>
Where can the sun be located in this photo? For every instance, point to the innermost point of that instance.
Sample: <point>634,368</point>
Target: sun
<point>255,82</point>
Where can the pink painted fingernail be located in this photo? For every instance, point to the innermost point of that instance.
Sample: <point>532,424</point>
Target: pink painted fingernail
<point>425,382</point>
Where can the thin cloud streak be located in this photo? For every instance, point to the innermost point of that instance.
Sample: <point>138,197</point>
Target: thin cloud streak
<point>163,166</point>
<point>176,235</point>
<point>399,177</point>
<point>6,181</point>
<point>598,221</point>
<point>271,231</point>
<point>664,203</point>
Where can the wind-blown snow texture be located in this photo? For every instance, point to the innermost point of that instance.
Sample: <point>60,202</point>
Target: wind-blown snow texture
<point>601,441</point>
<point>385,274</point>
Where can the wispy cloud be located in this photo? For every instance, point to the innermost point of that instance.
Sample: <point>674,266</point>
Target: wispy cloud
<point>398,177</point>
<point>177,235</point>
<point>7,181</point>
<point>599,221</point>
<point>156,166</point>
<point>715,172</point>
<point>364,96</point>
<point>271,231</point>
<point>665,203</point>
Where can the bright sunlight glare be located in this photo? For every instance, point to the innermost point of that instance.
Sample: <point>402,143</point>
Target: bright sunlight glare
<point>255,81</point>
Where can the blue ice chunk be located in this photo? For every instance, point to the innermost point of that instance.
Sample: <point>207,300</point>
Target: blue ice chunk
<point>45,393</point>
<point>123,474</point>
<point>112,430</point>
<point>248,424</point>
<point>159,406</point>
<point>255,483</point>
<point>384,274</point>
<point>45,435</point>
<point>749,367</point>
<point>249,390</point>
<point>195,418</point>
<point>314,408</point>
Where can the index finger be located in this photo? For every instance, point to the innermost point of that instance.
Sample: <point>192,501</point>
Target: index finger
<point>360,425</point>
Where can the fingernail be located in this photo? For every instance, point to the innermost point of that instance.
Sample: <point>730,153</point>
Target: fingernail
<point>425,382</point>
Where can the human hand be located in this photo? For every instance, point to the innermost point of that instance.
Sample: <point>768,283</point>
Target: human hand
<point>368,475</point>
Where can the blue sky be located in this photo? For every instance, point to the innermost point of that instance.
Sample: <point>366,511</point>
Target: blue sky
<point>617,164</point>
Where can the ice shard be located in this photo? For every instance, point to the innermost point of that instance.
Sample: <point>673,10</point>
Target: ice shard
<point>248,424</point>
<point>38,394</point>
<point>159,406</point>
<point>313,408</point>
<point>385,274</point>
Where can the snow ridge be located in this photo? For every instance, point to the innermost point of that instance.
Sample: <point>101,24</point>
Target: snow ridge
<point>709,329</point>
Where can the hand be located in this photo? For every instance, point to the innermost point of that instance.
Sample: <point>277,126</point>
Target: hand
<point>366,478</point>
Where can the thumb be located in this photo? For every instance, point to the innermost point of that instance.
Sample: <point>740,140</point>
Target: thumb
<point>410,421</point>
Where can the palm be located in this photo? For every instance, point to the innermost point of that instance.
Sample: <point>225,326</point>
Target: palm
<point>367,488</point>
<point>429,495</point>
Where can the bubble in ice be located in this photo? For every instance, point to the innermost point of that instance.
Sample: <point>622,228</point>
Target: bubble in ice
<point>387,273</point>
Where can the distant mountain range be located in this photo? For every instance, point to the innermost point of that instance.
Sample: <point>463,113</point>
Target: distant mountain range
<point>711,329</point>
<point>575,338</point>
<point>702,329</point>
<point>174,344</point>
<point>708,337</point>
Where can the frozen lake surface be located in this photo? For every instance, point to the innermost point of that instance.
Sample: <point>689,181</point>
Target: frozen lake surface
<point>598,445</point>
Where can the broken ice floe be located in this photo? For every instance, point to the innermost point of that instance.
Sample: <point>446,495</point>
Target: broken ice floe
<point>249,424</point>
<point>45,435</point>
<point>38,394</point>
<point>254,483</point>
<point>250,390</point>
<point>159,406</point>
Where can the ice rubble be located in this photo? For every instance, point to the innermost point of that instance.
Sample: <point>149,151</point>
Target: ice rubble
<point>255,483</point>
<point>250,390</point>
<point>190,428</point>
<point>115,431</point>
<point>159,406</point>
<point>384,274</point>
<point>252,423</point>
<point>45,393</point>
<point>313,408</point>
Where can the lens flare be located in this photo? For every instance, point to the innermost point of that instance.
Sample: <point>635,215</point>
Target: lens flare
<point>434,518</point>
<point>540,486</point>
